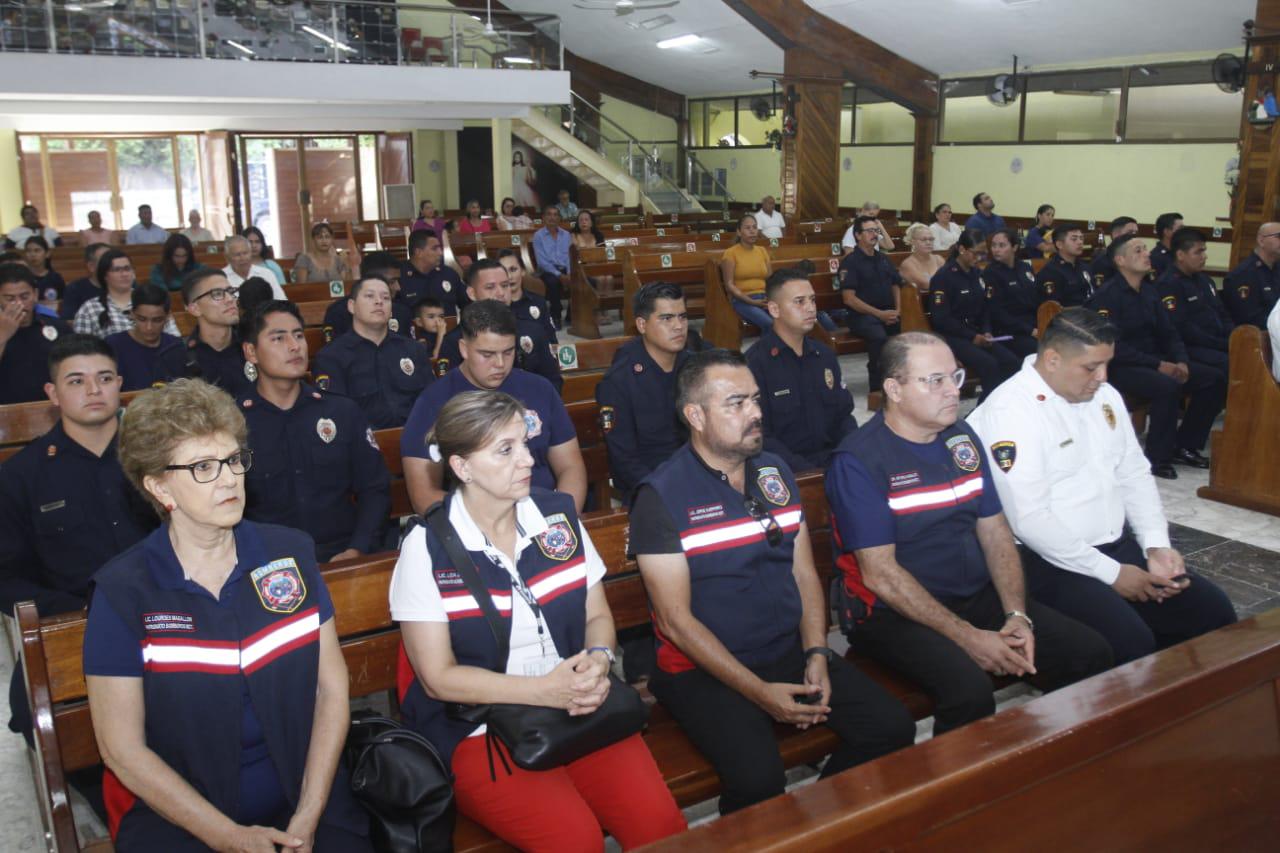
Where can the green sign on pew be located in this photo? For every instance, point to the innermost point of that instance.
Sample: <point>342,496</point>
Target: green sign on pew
<point>567,356</point>
<point>336,288</point>
<point>666,261</point>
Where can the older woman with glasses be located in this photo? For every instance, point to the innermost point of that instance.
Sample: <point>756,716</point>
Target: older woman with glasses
<point>216,684</point>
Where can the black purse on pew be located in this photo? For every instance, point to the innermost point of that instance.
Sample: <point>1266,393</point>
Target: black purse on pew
<point>537,738</point>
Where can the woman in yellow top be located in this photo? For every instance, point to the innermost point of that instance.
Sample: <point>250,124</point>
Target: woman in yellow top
<point>743,269</point>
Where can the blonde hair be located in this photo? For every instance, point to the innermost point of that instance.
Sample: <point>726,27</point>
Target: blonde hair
<point>913,229</point>
<point>468,422</point>
<point>160,419</point>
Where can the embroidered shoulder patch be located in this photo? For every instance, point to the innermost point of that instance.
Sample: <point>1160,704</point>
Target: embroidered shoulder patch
<point>963,452</point>
<point>772,486</point>
<point>279,585</point>
<point>559,540</point>
<point>1005,453</point>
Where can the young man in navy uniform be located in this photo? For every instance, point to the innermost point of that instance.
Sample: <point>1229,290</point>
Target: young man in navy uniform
<point>383,372</point>
<point>337,317</point>
<point>739,614</point>
<point>526,304</point>
<point>489,343</point>
<point>317,466</point>
<point>1167,224</point>
<point>1152,363</point>
<point>807,410</point>
<point>25,337</point>
<point>1102,267</point>
<point>1253,287</point>
<point>212,352</point>
<point>1193,303</point>
<point>65,506</point>
<point>868,284</point>
<point>487,279</point>
<point>931,583</point>
<point>1064,278</point>
<point>425,273</point>
<point>637,396</point>
<point>1079,495</point>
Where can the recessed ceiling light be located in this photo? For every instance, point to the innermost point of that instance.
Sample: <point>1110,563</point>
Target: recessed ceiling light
<point>679,41</point>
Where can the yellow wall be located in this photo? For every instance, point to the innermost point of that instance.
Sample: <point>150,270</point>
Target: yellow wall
<point>878,174</point>
<point>11,199</point>
<point>429,147</point>
<point>645,125</point>
<point>756,174</point>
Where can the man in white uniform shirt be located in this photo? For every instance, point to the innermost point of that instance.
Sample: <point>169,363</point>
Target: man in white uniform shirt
<point>1079,495</point>
<point>769,218</point>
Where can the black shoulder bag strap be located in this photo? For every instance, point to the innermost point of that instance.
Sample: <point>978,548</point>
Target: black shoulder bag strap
<point>438,521</point>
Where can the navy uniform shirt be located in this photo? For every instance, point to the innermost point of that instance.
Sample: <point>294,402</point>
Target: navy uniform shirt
<point>1147,335</point>
<point>1067,284</point>
<point>870,277</point>
<point>1012,297</point>
<point>637,400</point>
<point>76,294</point>
<point>1161,258</point>
<point>337,319</point>
<point>49,287</point>
<point>807,409</point>
<point>1194,307</point>
<point>533,352</point>
<point>384,379</point>
<point>309,462</point>
<point>442,283</point>
<point>958,302</point>
<point>1251,290</point>
<point>141,366</point>
<point>64,512</point>
<point>531,306</point>
<point>197,360</point>
<point>24,365</point>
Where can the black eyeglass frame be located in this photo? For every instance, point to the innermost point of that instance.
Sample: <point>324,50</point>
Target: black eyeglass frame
<point>245,460</point>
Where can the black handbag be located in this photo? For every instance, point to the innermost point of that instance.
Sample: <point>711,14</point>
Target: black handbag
<point>400,779</point>
<point>538,738</point>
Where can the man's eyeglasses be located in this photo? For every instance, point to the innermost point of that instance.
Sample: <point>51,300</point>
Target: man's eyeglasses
<point>208,470</point>
<point>935,382</point>
<point>218,294</point>
<point>772,530</point>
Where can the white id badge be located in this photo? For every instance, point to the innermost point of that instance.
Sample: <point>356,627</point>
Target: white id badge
<point>541,665</point>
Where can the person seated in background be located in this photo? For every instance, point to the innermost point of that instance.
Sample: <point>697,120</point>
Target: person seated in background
<point>806,408</point>
<point>584,231</point>
<point>1152,364</point>
<point>769,219</point>
<point>254,292</point>
<point>560,646</point>
<point>49,285</point>
<point>984,218</point>
<point>565,207</point>
<point>322,262</point>
<point>212,352</point>
<point>263,255</point>
<point>870,210</point>
<point>637,395</point>
<point>739,613</point>
<point>945,231</point>
<point>112,310</point>
<point>428,219</point>
<point>177,258</point>
<point>551,248</point>
<point>318,468</point>
<point>1064,278</point>
<point>1252,289</point>
<point>1038,236</point>
<point>65,507</point>
<point>87,287</point>
<point>512,218</point>
<point>95,233</point>
<point>918,268</point>
<point>145,232</point>
<point>744,266</point>
<point>194,231</point>
<point>1079,495</point>
<point>382,371</point>
<point>1167,224</point>
<point>256,762</point>
<point>337,317</point>
<point>1102,268</point>
<point>240,266</point>
<point>425,273</point>
<point>488,364</point>
<point>429,325</point>
<point>473,220</point>
<point>931,584</point>
<point>140,351</point>
<point>1192,300</point>
<point>1012,297</point>
<point>26,338</point>
<point>958,311</point>
<point>30,227</point>
<point>868,284</point>
<point>526,304</point>
<point>487,279</point>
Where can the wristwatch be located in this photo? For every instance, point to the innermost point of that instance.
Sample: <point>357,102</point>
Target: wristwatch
<point>1024,617</point>
<point>825,651</point>
<point>608,652</point>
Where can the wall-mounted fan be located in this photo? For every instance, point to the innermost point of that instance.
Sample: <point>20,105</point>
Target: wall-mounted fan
<point>1004,88</point>
<point>1228,73</point>
<point>624,7</point>
<point>761,108</point>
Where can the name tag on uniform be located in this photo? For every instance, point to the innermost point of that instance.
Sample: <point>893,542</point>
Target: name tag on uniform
<point>1192,298</point>
<point>542,665</point>
<point>784,392</point>
<point>51,507</point>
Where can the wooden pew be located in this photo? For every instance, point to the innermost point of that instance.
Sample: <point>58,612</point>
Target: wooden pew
<point>682,268</point>
<point>1242,461</point>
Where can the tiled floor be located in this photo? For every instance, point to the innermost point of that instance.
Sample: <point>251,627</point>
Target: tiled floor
<point>1236,548</point>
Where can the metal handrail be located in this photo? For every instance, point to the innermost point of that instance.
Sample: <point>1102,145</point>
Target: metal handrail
<point>694,166</point>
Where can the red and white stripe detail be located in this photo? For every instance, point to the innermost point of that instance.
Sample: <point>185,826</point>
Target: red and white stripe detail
<point>461,605</point>
<point>935,497</point>
<point>227,657</point>
<point>739,531</point>
<point>559,579</point>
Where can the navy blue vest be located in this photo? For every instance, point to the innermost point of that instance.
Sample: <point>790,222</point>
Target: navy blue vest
<point>741,587</point>
<point>553,567</point>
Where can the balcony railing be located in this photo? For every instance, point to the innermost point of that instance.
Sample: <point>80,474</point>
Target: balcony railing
<point>361,32</point>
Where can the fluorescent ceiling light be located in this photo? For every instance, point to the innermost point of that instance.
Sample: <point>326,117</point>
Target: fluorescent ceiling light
<point>238,46</point>
<point>679,41</point>
<point>517,60</point>
<point>327,40</point>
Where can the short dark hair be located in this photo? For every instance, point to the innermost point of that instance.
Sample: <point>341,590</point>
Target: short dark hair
<point>359,285</point>
<point>509,253</point>
<point>70,346</point>
<point>321,226</point>
<point>1010,234</point>
<point>191,280</point>
<point>897,351</point>
<point>693,373</point>
<point>1120,222</point>
<point>142,207</point>
<point>1118,244</point>
<point>970,238</point>
<point>417,241</point>
<point>1062,229</point>
<point>1184,239</point>
<point>860,221</point>
<point>375,263</point>
<point>645,301</point>
<point>427,302</point>
<point>254,291</point>
<point>480,265</point>
<point>17,273</point>
<point>977,199</point>
<point>938,207</point>
<point>146,293</point>
<point>1045,208</point>
<point>1078,327</point>
<point>93,249</point>
<point>1164,222</point>
<point>487,315</point>
<point>780,277</point>
<point>257,321</point>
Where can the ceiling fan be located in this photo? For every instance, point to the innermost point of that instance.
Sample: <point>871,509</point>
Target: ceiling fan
<point>491,31</point>
<point>624,7</point>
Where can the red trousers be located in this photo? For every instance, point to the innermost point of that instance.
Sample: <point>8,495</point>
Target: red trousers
<point>617,789</point>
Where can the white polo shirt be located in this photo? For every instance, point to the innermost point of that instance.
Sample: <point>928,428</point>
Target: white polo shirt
<point>1069,474</point>
<point>771,224</point>
<point>277,292</point>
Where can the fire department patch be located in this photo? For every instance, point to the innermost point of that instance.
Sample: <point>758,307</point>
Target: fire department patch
<point>1005,453</point>
<point>1170,302</point>
<point>533,422</point>
<point>558,541</point>
<point>1104,312</point>
<point>963,452</point>
<point>1243,290</point>
<point>322,382</point>
<point>830,378</point>
<point>1110,414</point>
<point>939,297</point>
<point>606,418</point>
<point>279,585</point>
<point>327,430</point>
<point>442,366</point>
<point>1048,289</point>
<point>772,486</point>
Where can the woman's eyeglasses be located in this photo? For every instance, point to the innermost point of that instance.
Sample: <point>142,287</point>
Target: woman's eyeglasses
<point>208,470</point>
<point>772,530</point>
